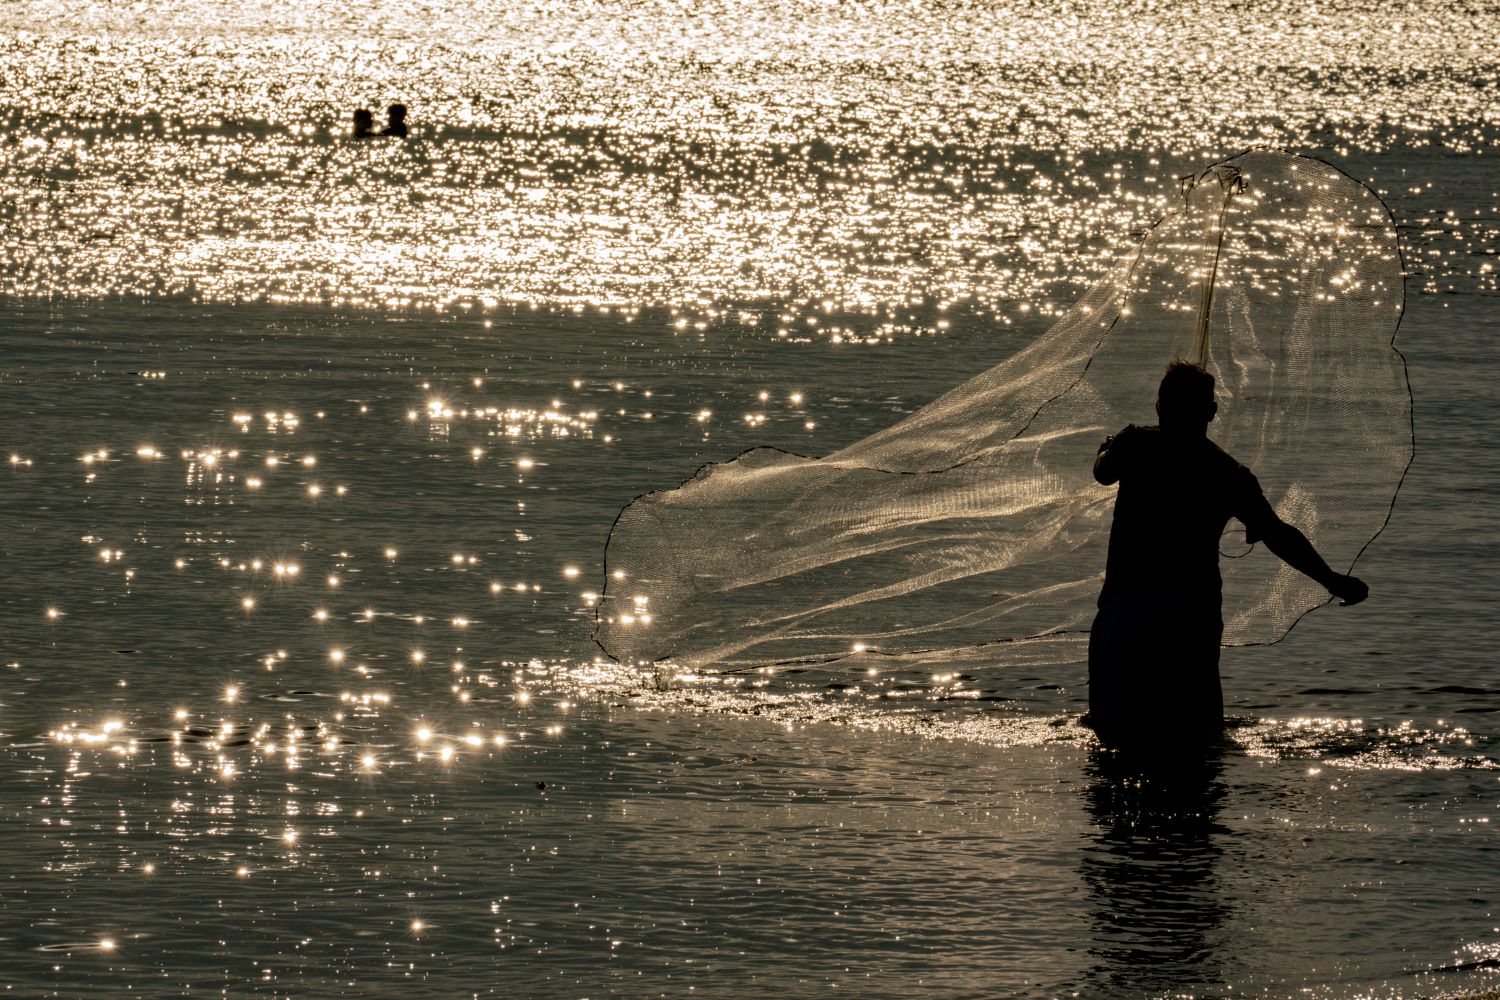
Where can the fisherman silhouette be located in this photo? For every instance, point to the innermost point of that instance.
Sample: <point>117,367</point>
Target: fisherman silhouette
<point>395,116</point>
<point>1154,646</point>
<point>364,124</point>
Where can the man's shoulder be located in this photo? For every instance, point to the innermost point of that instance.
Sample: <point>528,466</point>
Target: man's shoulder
<point>1134,435</point>
<point>1226,461</point>
<point>1235,474</point>
<point>1215,453</point>
<point>1201,454</point>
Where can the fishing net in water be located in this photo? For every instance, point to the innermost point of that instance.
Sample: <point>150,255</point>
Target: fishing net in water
<point>976,520</point>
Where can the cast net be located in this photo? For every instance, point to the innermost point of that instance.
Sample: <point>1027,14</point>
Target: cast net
<point>977,521</point>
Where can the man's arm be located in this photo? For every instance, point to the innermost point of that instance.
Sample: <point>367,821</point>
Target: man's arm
<point>1297,552</point>
<point>1110,458</point>
<point>1262,524</point>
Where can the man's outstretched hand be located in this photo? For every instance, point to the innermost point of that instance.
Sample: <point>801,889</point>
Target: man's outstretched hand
<point>1292,546</point>
<point>1348,589</point>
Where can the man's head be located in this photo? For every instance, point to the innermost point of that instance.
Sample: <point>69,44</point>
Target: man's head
<point>1186,396</point>
<point>396,113</point>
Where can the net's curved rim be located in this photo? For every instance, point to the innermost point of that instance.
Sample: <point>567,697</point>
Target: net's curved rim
<point>1196,178</point>
<point>1411,414</point>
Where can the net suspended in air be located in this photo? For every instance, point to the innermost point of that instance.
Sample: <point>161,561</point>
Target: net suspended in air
<point>976,520</point>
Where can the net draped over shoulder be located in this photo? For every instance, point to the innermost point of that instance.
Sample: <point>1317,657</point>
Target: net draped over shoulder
<point>976,520</point>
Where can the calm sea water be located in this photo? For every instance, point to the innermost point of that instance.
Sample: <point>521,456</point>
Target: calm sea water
<point>311,446</point>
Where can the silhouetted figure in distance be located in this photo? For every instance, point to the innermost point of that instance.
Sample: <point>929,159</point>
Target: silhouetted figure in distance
<point>1154,647</point>
<point>364,124</point>
<point>395,116</point>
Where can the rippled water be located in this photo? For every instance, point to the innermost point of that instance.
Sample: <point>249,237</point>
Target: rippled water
<point>312,446</point>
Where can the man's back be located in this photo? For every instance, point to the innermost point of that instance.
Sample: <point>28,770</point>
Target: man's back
<point>1154,646</point>
<point>1177,491</point>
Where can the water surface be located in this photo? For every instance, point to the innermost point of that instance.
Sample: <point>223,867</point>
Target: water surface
<point>311,448</point>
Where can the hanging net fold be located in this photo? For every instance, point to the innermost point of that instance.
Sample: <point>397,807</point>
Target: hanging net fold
<point>976,520</point>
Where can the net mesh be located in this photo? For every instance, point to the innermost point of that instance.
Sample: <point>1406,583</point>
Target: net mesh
<point>977,521</point>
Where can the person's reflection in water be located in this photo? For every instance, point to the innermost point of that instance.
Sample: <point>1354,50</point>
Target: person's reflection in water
<point>1150,873</point>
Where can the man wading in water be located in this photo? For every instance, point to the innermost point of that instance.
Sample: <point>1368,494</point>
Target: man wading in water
<point>1154,647</point>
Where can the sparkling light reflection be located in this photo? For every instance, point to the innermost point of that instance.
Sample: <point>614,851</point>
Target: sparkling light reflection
<point>832,179</point>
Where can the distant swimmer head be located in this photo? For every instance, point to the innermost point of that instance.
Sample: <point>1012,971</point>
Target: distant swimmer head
<point>1186,395</point>
<point>396,120</point>
<point>364,122</point>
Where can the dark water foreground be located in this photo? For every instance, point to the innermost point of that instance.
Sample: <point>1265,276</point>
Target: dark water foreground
<point>667,853</point>
<point>401,764</point>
